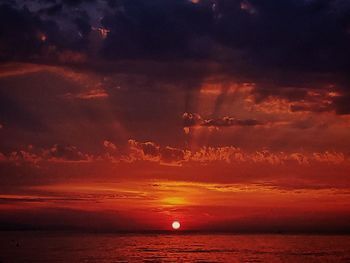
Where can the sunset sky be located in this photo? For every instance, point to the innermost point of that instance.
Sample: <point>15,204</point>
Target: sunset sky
<point>126,115</point>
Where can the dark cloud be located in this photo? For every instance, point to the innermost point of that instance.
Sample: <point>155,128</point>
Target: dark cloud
<point>148,148</point>
<point>52,10</point>
<point>276,45</point>
<point>34,155</point>
<point>290,35</point>
<point>172,155</point>
<point>70,153</point>
<point>193,119</point>
<point>41,35</point>
<point>157,29</point>
<point>19,33</point>
<point>293,35</point>
<point>312,108</point>
<point>229,121</point>
<point>76,2</point>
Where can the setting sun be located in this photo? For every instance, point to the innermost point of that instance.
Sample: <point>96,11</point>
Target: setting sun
<point>176,225</point>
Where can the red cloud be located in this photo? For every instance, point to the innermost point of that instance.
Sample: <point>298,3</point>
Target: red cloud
<point>152,152</point>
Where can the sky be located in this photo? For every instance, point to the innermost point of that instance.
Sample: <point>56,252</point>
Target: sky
<point>126,115</point>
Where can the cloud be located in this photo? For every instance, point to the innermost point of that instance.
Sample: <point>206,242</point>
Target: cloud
<point>191,119</point>
<point>158,29</point>
<point>248,7</point>
<point>172,156</point>
<point>56,153</point>
<point>259,36</point>
<point>109,145</point>
<point>316,100</point>
<point>194,119</point>
<point>229,121</point>
<point>69,153</point>
<point>299,44</point>
<point>19,32</point>
<point>152,152</point>
<point>88,95</point>
<point>143,151</point>
<point>139,161</point>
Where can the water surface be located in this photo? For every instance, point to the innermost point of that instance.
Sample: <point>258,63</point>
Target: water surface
<point>74,247</point>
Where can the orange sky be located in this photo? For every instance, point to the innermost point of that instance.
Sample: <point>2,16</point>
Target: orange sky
<point>97,151</point>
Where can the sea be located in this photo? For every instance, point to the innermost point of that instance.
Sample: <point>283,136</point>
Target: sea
<point>56,246</point>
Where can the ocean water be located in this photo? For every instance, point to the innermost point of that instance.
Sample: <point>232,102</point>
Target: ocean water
<point>74,247</point>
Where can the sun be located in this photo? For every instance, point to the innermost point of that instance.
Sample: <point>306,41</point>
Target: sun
<point>176,225</point>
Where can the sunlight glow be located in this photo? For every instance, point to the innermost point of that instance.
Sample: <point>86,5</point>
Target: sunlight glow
<point>174,201</point>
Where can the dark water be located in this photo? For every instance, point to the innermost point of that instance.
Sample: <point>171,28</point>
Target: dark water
<point>63,247</point>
